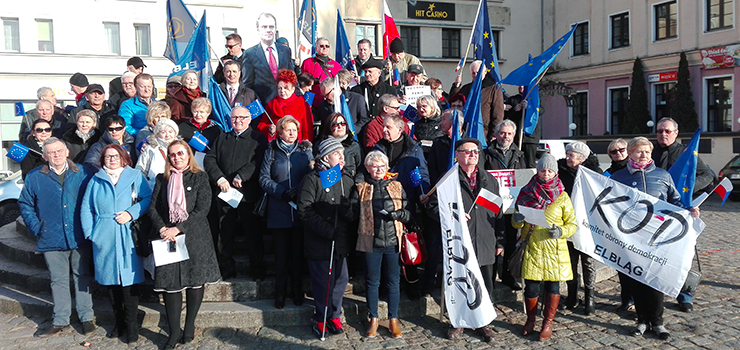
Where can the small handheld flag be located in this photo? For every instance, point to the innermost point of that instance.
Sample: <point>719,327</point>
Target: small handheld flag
<point>19,109</point>
<point>489,200</point>
<point>396,77</point>
<point>459,64</point>
<point>199,142</point>
<point>329,177</point>
<point>17,152</point>
<point>415,177</point>
<point>724,189</point>
<point>308,96</point>
<point>411,114</point>
<point>255,108</point>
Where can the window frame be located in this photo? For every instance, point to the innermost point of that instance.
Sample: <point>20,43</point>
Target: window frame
<point>114,46</point>
<point>610,107</point>
<point>707,105</point>
<point>451,46</point>
<point>656,19</point>
<point>411,45</point>
<point>612,18</point>
<point>375,50</point>
<point>16,40</point>
<point>708,19</point>
<point>572,115</point>
<point>149,39</point>
<point>51,34</point>
<point>585,43</point>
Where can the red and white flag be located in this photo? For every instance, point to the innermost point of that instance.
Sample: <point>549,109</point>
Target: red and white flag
<point>390,31</point>
<point>723,189</point>
<point>489,200</point>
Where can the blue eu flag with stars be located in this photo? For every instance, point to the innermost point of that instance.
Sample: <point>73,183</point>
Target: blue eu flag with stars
<point>329,177</point>
<point>683,171</point>
<point>17,152</point>
<point>415,177</point>
<point>19,109</point>
<point>255,109</point>
<point>483,44</point>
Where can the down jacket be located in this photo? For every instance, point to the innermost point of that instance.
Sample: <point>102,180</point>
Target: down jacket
<point>545,258</point>
<point>280,172</point>
<point>653,181</point>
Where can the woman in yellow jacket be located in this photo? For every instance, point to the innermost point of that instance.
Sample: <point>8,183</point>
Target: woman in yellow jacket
<point>546,256</point>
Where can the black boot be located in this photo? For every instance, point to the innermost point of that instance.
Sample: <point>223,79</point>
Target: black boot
<point>571,301</point>
<point>590,306</point>
<point>131,308</point>
<point>116,300</point>
<point>194,298</point>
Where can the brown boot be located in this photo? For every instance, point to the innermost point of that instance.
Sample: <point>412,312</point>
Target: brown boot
<point>551,308</point>
<point>394,328</point>
<point>531,305</point>
<point>372,328</point>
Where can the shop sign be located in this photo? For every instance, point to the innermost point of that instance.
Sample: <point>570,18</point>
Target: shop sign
<point>440,11</point>
<point>721,57</point>
<point>655,78</point>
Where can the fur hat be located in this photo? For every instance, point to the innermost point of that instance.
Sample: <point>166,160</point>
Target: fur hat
<point>578,147</point>
<point>547,161</point>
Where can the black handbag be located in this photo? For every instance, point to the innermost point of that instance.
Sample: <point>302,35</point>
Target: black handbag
<point>517,259</point>
<point>140,229</point>
<point>694,277</point>
<point>260,208</point>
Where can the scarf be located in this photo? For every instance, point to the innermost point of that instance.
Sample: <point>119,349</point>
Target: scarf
<point>634,164</point>
<point>472,180</point>
<point>539,194</point>
<point>200,127</point>
<point>176,196</point>
<point>84,136</point>
<point>341,139</point>
<point>297,107</point>
<point>114,174</point>
<point>287,148</point>
<point>192,94</point>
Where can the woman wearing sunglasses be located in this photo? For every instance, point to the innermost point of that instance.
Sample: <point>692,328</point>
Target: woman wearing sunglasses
<point>114,133</point>
<point>335,125</point>
<point>40,131</point>
<point>180,202</point>
<point>617,152</point>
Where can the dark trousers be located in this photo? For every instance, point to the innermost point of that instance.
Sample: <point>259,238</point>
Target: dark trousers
<point>251,226</point>
<point>588,267</point>
<point>319,272</point>
<point>433,242</point>
<point>532,288</point>
<point>530,154</point>
<point>625,284</point>
<point>125,303</point>
<point>509,249</point>
<point>489,274</point>
<point>288,260</point>
<point>648,303</point>
<point>383,261</point>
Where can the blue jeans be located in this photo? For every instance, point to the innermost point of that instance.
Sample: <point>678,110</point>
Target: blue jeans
<point>532,288</point>
<point>79,261</point>
<point>385,260</point>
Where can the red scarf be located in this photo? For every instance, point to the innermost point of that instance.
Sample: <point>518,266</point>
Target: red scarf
<point>295,106</point>
<point>192,94</point>
<point>539,194</point>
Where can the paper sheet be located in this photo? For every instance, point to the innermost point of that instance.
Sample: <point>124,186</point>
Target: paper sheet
<point>534,216</point>
<point>199,156</point>
<point>162,255</point>
<point>232,197</point>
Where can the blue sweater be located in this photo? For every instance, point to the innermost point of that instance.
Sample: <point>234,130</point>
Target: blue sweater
<point>133,112</point>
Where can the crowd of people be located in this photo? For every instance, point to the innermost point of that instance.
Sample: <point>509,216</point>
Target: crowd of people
<point>110,171</point>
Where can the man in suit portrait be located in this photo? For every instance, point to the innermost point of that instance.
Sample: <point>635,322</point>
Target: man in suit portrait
<point>262,61</point>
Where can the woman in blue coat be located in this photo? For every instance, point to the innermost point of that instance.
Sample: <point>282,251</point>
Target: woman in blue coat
<point>107,210</point>
<point>287,161</point>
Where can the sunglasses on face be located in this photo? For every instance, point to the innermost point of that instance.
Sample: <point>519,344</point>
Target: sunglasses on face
<point>40,130</point>
<point>618,150</point>
<point>231,46</point>
<point>334,125</point>
<point>324,46</point>
<point>115,128</point>
<point>469,152</point>
<point>180,153</point>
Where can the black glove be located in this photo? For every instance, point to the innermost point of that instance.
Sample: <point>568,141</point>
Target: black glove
<point>396,214</point>
<point>518,217</point>
<point>293,193</point>
<point>555,232</point>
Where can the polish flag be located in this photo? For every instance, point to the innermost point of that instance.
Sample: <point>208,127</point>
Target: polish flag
<point>390,31</point>
<point>723,189</point>
<point>489,200</point>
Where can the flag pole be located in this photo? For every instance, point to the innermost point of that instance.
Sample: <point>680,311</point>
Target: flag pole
<point>480,3</point>
<point>524,110</point>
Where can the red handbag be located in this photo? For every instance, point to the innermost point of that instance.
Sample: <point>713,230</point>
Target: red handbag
<point>413,250</point>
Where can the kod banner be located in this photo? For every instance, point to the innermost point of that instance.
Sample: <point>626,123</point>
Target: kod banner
<point>647,239</point>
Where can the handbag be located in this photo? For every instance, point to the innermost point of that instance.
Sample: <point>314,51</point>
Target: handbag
<point>413,250</point>
<point>140,229</point>
<point>694,277</point>
<point>516,260</point>
<point>260,208</point>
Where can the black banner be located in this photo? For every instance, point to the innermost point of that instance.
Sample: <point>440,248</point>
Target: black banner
<point>440,11</point>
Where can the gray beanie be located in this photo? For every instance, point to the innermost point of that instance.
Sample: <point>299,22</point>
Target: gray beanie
<point>329,146</point>
<point>547,161</point>
<point>578,147</point>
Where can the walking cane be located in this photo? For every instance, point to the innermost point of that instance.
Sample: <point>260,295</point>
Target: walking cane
<point>331,264</point>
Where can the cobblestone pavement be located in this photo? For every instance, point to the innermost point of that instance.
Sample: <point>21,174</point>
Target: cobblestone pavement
<point>714,324</point>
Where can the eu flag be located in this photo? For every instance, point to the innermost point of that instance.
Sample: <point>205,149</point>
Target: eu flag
<point>308,96</point>
<point>471,111</point>
<point>197,56</point>
<point>528,72</point>
<point>221,111</point>
<point>198,141</point>
<point>533,108</point>
<point>415,177</point>
<point>180,27</point>
<point>17,152</point>
<point>683,171</point>
<point>19,109</point>
<point>411,114</point>
<point>482,41</point>
<point>329,177</point>
<point>255,108</point>
<point>342,53</point>
<point>455,137</point>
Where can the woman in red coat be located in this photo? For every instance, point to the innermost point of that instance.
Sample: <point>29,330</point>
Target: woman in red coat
<point>181,99</point>
<point>287,103</point>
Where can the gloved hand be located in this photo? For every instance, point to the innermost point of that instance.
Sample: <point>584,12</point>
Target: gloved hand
<point>518,217</point>
<point>292,193</point>
<point>555,232</point>
<point>396,214</point>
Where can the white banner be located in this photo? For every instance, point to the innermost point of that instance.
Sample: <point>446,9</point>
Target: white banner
<point>510,182</point>
<point>648,239</point>
<point>466,297</point>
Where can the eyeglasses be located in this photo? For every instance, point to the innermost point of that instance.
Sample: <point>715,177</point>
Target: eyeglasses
<point>334,125</point>
<point>112,156</point>
<point>180,153</point>
<point>241,117</point>
<point>51,153</point>
<point>231,46</point>
<point>377,167</point>
<point>40,130</point>
<point>115,128</point>
<point>328,93</point>
<point>618,150</point>
<point>470,152</point>
<point>665,131</point>
<point>325,46</point>
<point>394,107</point>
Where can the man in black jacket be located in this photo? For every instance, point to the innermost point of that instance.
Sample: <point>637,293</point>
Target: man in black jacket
<point>234,161</point>
<point>236,53</point>
<point>95,96</point>
<point>372,88</point>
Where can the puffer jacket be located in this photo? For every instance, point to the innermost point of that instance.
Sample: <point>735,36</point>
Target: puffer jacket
<point>428,128</point>
<point>281,171</point>
<point>386,232</point>
<point>653,181</point>
<point>545,258</point>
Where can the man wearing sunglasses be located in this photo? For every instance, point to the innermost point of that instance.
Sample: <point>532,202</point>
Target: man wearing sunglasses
<point>114,132</point>
<point>262,61</point>
<point>320,67</point>
<point>235,53</point>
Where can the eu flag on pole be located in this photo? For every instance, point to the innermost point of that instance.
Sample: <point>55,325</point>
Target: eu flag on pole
<point>180,27</point>
<point>340,106</point>
<point>528,72</point>
<point>455,137</point>
<point>683,171</point>
<point>329,177</point>
<point>19,109</point>
<point>308,96</point>
<point>17,152</point>
<point>221,110</point>
<point>197,56</point>
<point>482,41</point>
<point>415,177</point>
<point>533,108</point>
<point>472,112</point>
<point>255,108</point>
<point>307,29</point>
<point>411,114</point>
<point>198,141</point>
<point>343,52</point>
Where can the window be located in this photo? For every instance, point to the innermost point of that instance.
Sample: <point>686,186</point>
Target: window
<point>451,43</point>
<point>225,32</point>
<point>620,30</point>
<point>113,37</point>
<point>497,42</point>
<point>666,20</point>
<point>580,114</point>
<point>367,31</point>
<point>45,34</point>
<point>719,104</point>
<point>664,96</point>
<point>410,37</point>
<point>618,108</point>
<point>719,14</point>
<point>11,35</point>
<point>143,40</point>
<point>580,39</point>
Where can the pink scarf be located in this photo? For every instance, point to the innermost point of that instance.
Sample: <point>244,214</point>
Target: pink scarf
<point>176,196</point>
<point>637,166</point>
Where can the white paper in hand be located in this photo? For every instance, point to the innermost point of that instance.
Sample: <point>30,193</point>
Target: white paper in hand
<point>534,216</point>
<point>162,254</point>
<point>232,197</point>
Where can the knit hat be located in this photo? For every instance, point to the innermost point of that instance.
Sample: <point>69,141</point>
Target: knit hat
<point>79,79</point>
<point>163,123</point>
<point>329,146</point>
<point>578,147</point>
<point>396,45</point>
<point>547,161</point>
